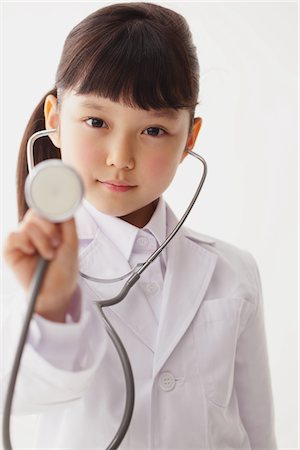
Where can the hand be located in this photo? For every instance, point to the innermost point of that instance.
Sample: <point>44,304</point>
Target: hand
<point>57,243</point>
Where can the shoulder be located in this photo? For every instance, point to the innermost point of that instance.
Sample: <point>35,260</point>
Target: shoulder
<point>218,246</point>
<point>234,265</point>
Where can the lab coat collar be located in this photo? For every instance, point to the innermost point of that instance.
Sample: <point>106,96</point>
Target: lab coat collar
<point>121,233</point>
<point>101,258</point>
<point>87,228</point>
<point>189,270</point>
<point>191,264</point>
<point>116,229</point>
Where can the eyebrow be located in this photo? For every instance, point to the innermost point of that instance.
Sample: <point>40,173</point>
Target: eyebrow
<point>164,112</point>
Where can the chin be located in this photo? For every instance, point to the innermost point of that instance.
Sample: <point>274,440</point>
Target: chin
<point>111,209</point>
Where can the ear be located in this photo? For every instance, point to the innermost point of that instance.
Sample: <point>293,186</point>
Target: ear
<point>192,137</point>
<point>52,118</point>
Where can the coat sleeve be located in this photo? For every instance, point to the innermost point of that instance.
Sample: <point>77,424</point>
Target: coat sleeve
<point>59,361</point>
<point>252,373</point>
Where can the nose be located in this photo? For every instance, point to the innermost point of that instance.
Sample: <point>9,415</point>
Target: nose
<point>120,153</point>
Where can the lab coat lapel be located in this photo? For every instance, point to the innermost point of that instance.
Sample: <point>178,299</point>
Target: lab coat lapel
<point>189,270</point>
<point>102,259</point>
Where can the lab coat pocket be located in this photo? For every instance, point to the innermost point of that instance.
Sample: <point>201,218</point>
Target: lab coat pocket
<point>215,332</point>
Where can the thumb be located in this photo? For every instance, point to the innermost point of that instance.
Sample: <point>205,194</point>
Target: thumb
<point>68,232</point>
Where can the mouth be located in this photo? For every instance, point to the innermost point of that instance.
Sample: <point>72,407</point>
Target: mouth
<point>117,186</point>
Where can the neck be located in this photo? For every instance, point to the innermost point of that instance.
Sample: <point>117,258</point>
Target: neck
<point>141,217</point>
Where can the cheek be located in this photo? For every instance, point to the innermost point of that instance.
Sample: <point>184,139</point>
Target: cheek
<point>78,152</point>
<point>162,167</point>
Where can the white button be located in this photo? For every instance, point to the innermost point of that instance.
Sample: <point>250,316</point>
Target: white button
<point>152,288</point>
<point>167,381</point>
<point>142,242</point>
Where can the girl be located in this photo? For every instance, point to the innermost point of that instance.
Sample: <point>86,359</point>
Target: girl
<point>123,108</point>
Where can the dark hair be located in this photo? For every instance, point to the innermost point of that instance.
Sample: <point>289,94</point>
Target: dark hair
<point>139,53</point>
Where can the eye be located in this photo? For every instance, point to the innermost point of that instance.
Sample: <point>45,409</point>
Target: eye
<point>154,131</point>
<point>95,123</point>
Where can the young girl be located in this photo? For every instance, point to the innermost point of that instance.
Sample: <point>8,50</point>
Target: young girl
<point>123,108</point>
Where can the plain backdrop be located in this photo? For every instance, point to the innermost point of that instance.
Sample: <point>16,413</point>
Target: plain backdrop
<point>249,105</point>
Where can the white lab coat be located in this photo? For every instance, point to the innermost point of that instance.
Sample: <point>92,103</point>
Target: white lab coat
<point>202,383</point>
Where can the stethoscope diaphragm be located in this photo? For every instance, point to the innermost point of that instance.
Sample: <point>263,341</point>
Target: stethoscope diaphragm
<point>54,190</point>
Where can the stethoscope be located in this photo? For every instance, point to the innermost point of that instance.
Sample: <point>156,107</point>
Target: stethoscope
<point>55,190</point>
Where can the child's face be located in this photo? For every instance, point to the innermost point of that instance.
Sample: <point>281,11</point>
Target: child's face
<point>107,143</point>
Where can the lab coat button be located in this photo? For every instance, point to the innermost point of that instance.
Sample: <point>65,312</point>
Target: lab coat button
<point>167,381</point>
<point>142,242</point>
<point>152,288</point>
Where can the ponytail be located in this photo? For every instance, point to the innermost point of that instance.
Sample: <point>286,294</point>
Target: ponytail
<point>43,149</point>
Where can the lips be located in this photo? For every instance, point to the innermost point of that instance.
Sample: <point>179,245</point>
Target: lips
<point>117,186</point>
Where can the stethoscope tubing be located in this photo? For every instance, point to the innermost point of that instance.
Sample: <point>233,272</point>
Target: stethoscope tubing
<point>129,383</point>
<point>100,304</point>
<point>35,286</point>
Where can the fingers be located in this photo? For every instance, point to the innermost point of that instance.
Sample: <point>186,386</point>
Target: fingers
<point>50,229</point>
<point>17,241</point>
<point>42,233</point>
<point>41,241</point>
<point>38,235</point>
<point>57,232</point>
<point>34,235</point>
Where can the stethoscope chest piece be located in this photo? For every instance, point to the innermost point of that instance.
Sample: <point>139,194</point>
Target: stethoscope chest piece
<point>54,190</point>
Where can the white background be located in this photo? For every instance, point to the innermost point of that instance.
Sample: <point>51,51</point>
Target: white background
<point>248,102</point>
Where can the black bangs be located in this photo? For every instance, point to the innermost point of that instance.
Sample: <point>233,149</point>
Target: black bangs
<point>130,57</point>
